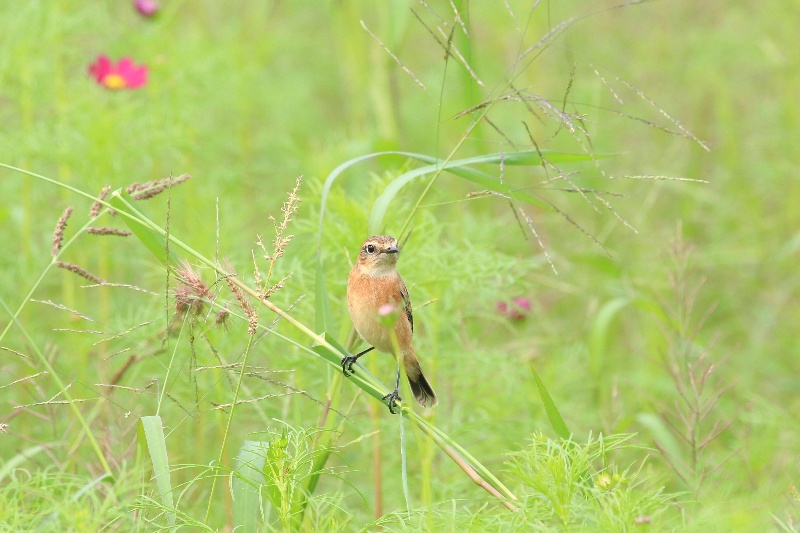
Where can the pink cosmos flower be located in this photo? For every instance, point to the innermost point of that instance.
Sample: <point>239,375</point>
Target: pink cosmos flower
<point>517,309</point>
<point>146,8</point>
<point>123,75</point>
<point>386,310</point>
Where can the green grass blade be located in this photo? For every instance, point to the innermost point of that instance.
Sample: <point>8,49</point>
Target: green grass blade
<point>460,455</point>
<point>335,343</point>
<point>143,228</point>
<point>457,167</point>
<point>601,327</point>
<point>322,453</point>
<point>559,426</point>
<point>599,337</point>
<point>666,441</point>
<point>151,434</point>
<point>335,173</point>
<point>10,465</point>
<point>249,476</point>
<point>460,167</point>
<point>92,484</point>
<point>323,314</point>
<point>339,170</point>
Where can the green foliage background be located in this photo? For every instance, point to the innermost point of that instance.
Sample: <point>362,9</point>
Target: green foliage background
<point>247,97</point>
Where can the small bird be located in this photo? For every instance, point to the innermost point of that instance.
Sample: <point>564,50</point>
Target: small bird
<point>375,283</point>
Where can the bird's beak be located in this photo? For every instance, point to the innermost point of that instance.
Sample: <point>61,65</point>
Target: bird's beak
<point>392,250</point>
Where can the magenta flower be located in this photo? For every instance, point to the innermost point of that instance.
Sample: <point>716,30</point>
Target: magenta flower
<point>517,309</point>
<point>123,75</point>
<point>146,8</point>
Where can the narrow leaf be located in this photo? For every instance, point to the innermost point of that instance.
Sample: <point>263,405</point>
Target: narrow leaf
<point>460,168</point>
<point>321,454</point>
<point>600,332</point>
<point>663,437</point>
<point>247,479</point>
<point>151,432</point>
<point>559,426</point>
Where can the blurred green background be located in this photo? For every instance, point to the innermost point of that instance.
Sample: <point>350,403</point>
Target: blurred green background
<point>246,97</point>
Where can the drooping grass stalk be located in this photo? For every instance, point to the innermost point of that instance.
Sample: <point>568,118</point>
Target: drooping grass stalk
<point>473,468</point>
<point>464,461</point>
<point>153,236</point>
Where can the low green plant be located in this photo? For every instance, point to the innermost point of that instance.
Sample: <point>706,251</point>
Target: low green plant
<point>273,485</point>
<point>49,500</point>
<point>563,485</point>
<point>576,485</point>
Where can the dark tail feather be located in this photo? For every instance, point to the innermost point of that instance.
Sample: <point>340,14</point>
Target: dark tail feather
<point>422,390</point>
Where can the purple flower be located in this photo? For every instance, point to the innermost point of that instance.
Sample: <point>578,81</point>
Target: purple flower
<point>517,309</point>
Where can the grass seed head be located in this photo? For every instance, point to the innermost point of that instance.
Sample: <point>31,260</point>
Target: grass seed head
<point>149,189</point>
<point>58,234</point>
<point>94,211</point>
<point>75,269</point>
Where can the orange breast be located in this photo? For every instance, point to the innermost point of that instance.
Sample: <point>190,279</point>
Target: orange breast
<point>365,296</point>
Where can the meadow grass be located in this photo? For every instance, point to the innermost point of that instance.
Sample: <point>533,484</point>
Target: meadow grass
<point>660,332</point>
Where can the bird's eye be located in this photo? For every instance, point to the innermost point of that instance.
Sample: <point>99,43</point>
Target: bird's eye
<point>370,248</point>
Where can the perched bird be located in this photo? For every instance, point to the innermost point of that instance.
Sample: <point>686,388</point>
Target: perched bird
<point>375,283</point>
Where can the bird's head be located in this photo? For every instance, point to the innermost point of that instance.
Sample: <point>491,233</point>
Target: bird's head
<point>378,255</point>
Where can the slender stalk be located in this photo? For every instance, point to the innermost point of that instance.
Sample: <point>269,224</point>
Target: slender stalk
<point>377,463</point>
<point>229,422</point>
<point>163,389</point>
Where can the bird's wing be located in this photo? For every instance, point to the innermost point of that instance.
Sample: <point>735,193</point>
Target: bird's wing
<point>406,303</point>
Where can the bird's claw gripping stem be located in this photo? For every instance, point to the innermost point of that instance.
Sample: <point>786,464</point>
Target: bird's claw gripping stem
<point>391,400</point>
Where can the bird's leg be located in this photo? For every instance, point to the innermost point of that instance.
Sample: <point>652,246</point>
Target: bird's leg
<point>347,362</point>
<point>394,396</point>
